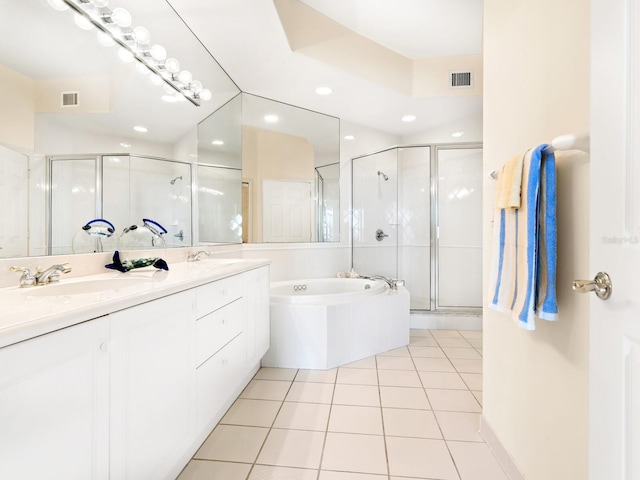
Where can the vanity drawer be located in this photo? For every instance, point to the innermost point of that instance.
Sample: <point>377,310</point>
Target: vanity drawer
<point>217,294</point>
<point>215,330</point>
<point>217,380</point>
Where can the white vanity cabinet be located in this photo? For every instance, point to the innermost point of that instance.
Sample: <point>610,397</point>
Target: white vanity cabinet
<point>54,405</point>
<point>219,348</point>
<point>132,394</point>
<point>152,387</point>
<point>256,303</point>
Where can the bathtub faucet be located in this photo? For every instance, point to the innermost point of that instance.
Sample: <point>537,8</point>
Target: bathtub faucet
<point>392,282</point>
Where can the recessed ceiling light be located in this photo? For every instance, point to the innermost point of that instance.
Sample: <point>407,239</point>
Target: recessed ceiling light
<point>217,142</point>
<point>457,134</point>
<point>141,129</point>
<point>324,91</point>
<point>409,118</point>
<point>349,137</point>
<point>271,118</point>
<point>125,145</point>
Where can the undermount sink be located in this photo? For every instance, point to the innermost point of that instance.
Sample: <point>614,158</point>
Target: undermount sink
<point>88,286</point>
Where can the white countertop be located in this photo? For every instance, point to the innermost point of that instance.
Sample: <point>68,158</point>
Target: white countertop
<point>28,312</point>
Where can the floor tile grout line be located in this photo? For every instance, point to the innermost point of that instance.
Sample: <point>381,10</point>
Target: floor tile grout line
<point>272,423</point>
<point>326,432</point>
<point>384,432</point>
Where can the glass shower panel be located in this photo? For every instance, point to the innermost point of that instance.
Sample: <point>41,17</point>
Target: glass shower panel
<point>459,247</point>
<point>375,214</point>
<point>414,218</point>
<point>220,205</point>
<point>159,190</point>
<point>73,182</point>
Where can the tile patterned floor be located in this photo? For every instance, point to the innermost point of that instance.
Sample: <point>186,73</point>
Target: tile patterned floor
<point>410,413</point>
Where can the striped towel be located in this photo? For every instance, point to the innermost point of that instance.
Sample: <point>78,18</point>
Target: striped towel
<point>523,270</point>
<point>510,183</point>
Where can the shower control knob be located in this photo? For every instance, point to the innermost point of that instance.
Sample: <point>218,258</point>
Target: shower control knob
<point>380,235</point>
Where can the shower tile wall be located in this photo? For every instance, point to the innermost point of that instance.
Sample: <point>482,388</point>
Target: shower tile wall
<point>375,206</point>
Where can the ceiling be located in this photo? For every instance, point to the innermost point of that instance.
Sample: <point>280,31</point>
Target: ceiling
<point>248,40</point>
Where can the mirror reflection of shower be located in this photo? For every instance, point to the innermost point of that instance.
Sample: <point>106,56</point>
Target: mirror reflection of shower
<point>383,175</point>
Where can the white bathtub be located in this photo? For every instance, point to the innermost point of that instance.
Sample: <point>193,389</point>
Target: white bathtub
<point>327,322</point>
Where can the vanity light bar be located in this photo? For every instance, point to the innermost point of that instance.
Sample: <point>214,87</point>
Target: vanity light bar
<point>105,21</point>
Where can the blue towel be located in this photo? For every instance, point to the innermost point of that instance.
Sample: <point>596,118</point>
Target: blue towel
<point>523,273</point>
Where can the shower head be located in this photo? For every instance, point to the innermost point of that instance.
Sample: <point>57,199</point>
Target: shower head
<point>172,182</point>
<point>383,175</point>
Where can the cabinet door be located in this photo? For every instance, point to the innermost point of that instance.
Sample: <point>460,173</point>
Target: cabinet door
<point>217,381</point>
<point>256,296</point>
<point>152,388</point>
<point>54,410</point>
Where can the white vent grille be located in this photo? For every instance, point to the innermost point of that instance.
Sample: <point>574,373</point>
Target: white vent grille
<point>70,99</point>
<point>462,79</point>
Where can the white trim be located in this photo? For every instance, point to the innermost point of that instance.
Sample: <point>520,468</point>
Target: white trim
<point>504,459</point>
<point>445,321</point>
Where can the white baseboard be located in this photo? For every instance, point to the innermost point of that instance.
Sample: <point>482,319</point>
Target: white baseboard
<point>494,444</point>
<point>445,321</point>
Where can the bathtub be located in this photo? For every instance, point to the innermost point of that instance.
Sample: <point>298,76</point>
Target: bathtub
<point>328,322</point>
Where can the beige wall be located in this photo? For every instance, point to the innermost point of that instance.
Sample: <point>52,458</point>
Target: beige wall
<point>268,155</point>
<point>17,100</point>
<point>536,71</point>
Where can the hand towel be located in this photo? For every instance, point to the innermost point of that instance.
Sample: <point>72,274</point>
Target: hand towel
<point>510,183</point>
<point>523,271</point>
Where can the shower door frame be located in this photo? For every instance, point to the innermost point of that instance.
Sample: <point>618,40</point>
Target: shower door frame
<point>434,148</point>
<point>435,226</point>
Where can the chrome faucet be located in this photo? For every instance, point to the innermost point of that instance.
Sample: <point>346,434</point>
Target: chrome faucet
<point>392,282</point>
<point>51,274</point>
<point>27,279</point>
<point>194,257</point>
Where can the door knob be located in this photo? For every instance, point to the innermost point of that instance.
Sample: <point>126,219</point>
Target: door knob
<point>380,234</point>
<point>601,284</point>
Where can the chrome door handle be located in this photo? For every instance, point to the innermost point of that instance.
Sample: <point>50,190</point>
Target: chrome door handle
<point>601,284</point>
<point>380,235</point>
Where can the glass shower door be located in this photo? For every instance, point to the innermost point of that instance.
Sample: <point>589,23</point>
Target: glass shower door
<point>459,227</point>
<point>375,214</point>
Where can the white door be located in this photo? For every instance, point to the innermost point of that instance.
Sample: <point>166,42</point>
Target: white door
<point>286,207</point>
<point>614,408</point>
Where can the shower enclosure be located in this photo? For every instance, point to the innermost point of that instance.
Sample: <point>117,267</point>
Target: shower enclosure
<point>417,216</point>
<point>123,189</point>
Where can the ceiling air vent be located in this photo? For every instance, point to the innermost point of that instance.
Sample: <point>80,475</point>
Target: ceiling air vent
<point>462,79</point>
<point>70,99</point>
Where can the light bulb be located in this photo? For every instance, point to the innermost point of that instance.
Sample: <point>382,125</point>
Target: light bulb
<point>105,39</point>
<point>121,17</point>
<point>169,98</point>
<point>205,94</point>
<point>141,35</point>
<point>196,86</point>
<point>100,3</point>
<point>172,65</point>
<point>158,53</point>
<point>409,118</point>
<point>83,22</point>
<point>58,5</point>
<point>168,90</point>
<point>185,77</point>
<point>125,55</point>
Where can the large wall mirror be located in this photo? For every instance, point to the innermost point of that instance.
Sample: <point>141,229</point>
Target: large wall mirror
<point>69,99</point>
<point>288,159</point>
